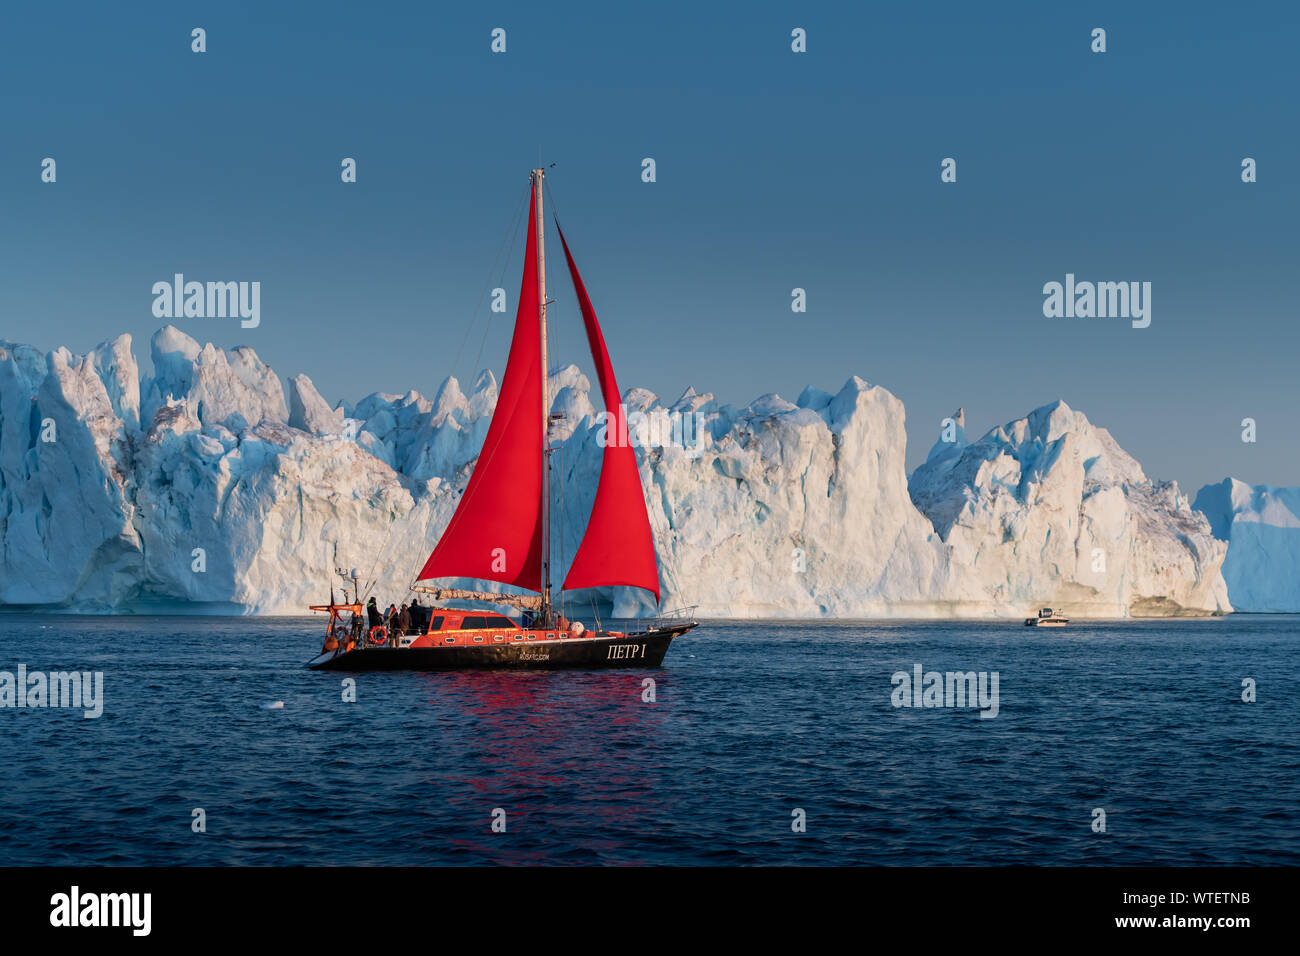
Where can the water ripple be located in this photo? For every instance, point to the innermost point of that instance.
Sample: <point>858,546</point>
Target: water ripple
<point>752,721</point>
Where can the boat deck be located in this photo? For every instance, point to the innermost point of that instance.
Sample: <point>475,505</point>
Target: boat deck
<point>499,649</point>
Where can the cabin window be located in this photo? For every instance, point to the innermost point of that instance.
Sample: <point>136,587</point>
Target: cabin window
<point>478,639</point>
<point>436,623</point>
<point>498,637</point>
<point>499,621</point>
<point>473,624</point>
<point>532,637</point>
<point>517,637</point>
<point>550,637</point>
<point>449,640</point>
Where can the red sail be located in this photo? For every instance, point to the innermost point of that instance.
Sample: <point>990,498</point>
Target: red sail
<point>496,532</point>
<point>617,547</point>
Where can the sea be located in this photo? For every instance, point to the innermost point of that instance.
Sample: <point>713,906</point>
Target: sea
<point>1154,742</point>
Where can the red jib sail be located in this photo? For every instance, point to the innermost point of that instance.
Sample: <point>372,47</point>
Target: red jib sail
<point>496,532</point>
<point>617,547</point>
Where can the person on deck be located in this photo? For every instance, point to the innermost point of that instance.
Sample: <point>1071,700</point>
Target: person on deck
<point>404,620</point>
<point>372,612</point>
<point>417,616</point>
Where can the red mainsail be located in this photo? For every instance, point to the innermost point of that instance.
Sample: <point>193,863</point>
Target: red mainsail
<point>617,548</point>
<point>496,532</point>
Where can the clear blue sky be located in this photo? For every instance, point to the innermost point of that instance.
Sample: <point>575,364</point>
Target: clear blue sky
<point>775,170</point>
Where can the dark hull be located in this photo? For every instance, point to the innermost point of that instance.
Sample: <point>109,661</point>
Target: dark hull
<point>646,649</point>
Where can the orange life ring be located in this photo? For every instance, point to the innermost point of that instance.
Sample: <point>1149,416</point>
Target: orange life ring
<point>376,630</point>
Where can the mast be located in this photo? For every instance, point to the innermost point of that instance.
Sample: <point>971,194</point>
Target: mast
<point>537,176</point>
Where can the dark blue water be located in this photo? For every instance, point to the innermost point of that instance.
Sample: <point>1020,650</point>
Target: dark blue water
<point>752,720</point>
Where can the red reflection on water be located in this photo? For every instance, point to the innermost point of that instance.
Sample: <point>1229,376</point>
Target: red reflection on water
<point>540,733</point>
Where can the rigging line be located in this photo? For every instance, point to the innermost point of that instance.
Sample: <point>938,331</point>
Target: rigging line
<point>496,259</point>
<point>456,515</point>
<point>505,266</point>
<point>486,329</point>
<point>555,215</point>
<point>391,525</point>
<point>490,455</point>
<point>562,565</point>
<point>670,566</point>
<point>675,568</point>
<point>546,185</point>
<point>506,245</point>
<point>507,242</point>
<point>555,210</point>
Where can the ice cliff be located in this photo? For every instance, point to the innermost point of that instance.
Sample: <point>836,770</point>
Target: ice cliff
<point>212,485</point>
<point>1050,508</point>
<point>1261,525</point>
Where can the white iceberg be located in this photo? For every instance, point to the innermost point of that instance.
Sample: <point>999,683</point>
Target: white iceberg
<point>1261,525</point>
<point>204,486</point>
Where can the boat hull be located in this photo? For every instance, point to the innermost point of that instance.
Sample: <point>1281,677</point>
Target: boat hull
<point>645,649</point>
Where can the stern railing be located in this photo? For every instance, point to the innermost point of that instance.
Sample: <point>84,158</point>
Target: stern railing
<point>664,619</point>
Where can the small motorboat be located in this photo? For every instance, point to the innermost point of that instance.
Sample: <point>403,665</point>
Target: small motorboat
<point>1046,618</point>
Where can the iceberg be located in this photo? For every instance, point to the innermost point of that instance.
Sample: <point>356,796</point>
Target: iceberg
<point>1261,525</point>
<point>215,485</point>
<point>1049,510</point>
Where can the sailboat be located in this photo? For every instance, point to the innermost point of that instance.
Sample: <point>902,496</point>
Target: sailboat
<point>501,529</point>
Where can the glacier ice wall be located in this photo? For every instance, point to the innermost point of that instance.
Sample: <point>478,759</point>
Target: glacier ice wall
<point>211,484</point>
<point>1261,525</point>
<point>1049,508</point>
